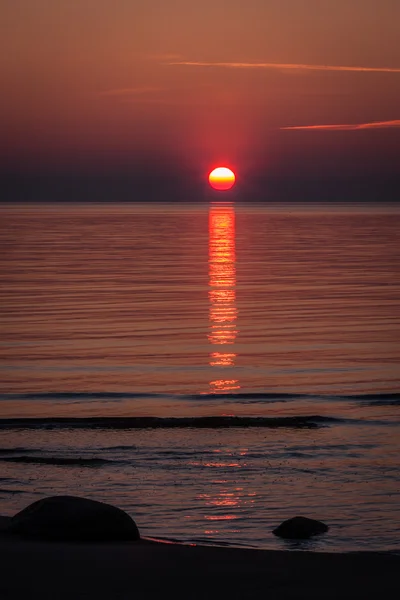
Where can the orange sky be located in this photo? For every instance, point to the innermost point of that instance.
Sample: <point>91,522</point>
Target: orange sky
<point>111,83</point>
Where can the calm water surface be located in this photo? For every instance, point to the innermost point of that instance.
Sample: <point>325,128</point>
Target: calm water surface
<point>189,311</point>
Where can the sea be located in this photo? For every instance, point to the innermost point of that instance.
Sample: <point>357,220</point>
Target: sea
<point>211,368</point>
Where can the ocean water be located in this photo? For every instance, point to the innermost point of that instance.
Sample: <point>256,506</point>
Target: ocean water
<point>212,369</point>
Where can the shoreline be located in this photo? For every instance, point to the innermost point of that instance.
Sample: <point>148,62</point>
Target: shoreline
<point>149,568</point>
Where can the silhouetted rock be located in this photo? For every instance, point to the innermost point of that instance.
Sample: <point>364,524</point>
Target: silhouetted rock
<point>70,518</point>
<point>300,528</point>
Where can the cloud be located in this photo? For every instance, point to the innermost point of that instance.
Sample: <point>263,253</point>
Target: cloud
<point>347,127</point>
<point>133,91</point>
<point>283,66</point>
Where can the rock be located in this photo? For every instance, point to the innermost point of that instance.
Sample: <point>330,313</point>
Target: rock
<point>70,518</point>
<point>300,528</point>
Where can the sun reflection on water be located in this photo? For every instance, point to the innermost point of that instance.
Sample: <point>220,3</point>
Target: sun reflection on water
<point>226,504</point>
<point>222,292</point>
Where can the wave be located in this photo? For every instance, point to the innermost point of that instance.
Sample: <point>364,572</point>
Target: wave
<point>55,460</point>
<point>214,422</point>
<point>17,450</point>
<point>123,447</point>
<point>112,396</point>
<point>380,399</point>
<point>250,397</point>
<point>80,395</point>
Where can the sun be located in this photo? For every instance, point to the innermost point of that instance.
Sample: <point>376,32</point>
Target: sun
<point>222,178</point>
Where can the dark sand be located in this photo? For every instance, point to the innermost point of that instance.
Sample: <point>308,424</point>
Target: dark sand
<point>145,569</point>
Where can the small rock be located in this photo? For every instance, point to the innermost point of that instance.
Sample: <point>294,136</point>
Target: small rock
<point>300,528</point>
<point>70,518</point>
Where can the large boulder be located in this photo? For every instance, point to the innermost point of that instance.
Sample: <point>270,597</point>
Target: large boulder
<point>300,528</point>
<point>70,518</point>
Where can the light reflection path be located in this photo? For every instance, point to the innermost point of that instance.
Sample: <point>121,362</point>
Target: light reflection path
<point>222,291</point>
<point>227,503</point>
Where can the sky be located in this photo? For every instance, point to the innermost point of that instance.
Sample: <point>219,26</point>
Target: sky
<point>148,92</point>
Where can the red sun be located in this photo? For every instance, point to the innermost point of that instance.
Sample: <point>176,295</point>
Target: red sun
<point>222,178</point>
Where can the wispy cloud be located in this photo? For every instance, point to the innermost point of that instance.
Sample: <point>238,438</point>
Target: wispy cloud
<point>128,92</point>
<point>283,66</point>
<point>347,127</point>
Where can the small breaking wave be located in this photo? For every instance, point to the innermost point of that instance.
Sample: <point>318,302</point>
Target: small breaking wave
<point>212,422</point>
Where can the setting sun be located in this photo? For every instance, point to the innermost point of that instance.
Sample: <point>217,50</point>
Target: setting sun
<point>222,178</point>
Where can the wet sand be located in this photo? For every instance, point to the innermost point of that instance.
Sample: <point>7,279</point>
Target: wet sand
<point>148,569</point>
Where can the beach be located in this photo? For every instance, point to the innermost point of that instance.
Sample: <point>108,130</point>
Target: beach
<point>150,569</point>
